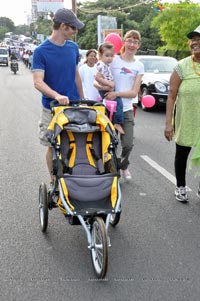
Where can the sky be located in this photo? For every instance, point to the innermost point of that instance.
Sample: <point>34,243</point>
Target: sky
<point>17,10</point>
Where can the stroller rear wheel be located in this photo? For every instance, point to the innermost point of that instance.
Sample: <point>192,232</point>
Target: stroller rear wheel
<point>99,250</point>
<point>43,207</point>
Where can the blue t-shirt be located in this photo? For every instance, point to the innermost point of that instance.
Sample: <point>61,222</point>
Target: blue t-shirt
<point>59,66</point>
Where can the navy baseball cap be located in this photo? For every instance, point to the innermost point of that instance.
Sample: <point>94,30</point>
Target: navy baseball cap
<point>67,16</point>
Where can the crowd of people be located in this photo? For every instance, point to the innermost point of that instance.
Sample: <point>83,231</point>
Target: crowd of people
<point>22,54</point>
<point>117,77</point>
<point>64,80</point>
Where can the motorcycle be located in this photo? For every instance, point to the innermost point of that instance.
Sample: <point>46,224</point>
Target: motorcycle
<point>14,66</point>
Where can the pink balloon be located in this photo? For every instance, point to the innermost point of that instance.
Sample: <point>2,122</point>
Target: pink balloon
<point>114,39</point>
<point>148,101</point>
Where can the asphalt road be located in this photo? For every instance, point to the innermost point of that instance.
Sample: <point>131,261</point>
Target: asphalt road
<point>155,253</point>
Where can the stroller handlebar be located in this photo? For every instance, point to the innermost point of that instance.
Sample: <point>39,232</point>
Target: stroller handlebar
<point>76,103</point>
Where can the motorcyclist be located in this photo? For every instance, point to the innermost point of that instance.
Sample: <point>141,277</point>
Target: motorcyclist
<point>14,64</point>
<point>13,56</point>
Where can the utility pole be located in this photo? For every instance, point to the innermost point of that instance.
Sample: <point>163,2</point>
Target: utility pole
<point>74,10</point>
<point>74,6</point>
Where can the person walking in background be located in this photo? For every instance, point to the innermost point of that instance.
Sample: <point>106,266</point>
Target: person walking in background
<point>127,73</point>
<point>55,71</point>
<point>183,111</point>
<point>26,58</point>
<point>87,72</point>
<point>104,78</point>
<point>30,60</point>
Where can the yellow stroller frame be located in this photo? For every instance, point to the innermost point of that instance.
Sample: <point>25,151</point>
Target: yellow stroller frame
<point>86,169</point>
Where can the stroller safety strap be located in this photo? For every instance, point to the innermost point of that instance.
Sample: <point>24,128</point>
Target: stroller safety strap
<point>92,157</point>
<point>91,154</point>
<point>71,155</point>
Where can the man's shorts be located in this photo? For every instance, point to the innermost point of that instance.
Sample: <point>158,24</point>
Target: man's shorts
<point>45,119</point>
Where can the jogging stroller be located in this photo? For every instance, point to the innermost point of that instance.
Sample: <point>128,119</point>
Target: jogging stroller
<point>86,169</point>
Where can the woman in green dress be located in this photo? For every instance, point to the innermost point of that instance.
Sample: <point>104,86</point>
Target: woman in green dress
<point>183,111</point>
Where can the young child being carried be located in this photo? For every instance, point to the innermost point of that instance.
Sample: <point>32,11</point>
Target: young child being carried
<point>104,78</point>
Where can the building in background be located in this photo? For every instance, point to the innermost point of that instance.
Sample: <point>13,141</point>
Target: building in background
<point>45,8</point>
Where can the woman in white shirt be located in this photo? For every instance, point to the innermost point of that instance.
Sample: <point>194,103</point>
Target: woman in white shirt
<point>127,73</point>
<point>87,72</point>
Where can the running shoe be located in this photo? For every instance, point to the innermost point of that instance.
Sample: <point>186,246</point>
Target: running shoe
<point>181,194</point>
<point>126,174</point>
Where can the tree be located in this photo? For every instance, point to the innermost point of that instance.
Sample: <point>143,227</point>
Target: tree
<point>6,22</point>
<point>22,29</point>
<point>174,22</point>
<point>150,36</point>
<point>6,25</point>
<point>129,15</point>
<point>43,26</point>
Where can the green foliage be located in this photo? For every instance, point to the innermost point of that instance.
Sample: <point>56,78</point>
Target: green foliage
<point>22,29</point>
<point>43,26</point>
<point>88,39</point>
<point>3,30</point>
<point>174,22</point>
<point>6,25</point>
<point>160,30</point>
<point>6,22</point>
<point>150,36</point>
<point>128,14</point>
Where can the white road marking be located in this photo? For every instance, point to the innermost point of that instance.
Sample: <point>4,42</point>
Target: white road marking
<point>161,170</point>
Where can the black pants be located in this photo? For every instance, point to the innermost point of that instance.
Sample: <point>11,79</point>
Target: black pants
<point>180,164</point>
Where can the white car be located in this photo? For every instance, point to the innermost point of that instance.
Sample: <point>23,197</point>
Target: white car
<point>4,56</point>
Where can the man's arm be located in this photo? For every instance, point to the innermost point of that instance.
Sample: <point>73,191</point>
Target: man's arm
<point>79,83</point>
<point>40,85</point>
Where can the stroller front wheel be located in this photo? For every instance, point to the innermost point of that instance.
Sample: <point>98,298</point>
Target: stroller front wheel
<point>43,207</point>
<point>99,250</point>
<point>115,218</point>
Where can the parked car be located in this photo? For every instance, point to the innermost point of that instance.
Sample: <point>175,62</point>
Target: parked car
<point>4,56</point>
<point>155,81</point>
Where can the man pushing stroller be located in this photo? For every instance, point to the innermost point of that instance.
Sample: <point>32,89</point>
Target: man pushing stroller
<point>58,81</point>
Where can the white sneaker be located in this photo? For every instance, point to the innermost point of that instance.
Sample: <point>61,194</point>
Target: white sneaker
<point>126,174</point>
<point>181,194</point>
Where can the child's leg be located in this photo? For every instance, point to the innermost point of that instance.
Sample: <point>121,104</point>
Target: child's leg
<point>119,115</point>
<point>118,118</point>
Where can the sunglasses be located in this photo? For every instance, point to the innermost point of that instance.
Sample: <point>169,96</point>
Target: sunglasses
<point>71,26</point>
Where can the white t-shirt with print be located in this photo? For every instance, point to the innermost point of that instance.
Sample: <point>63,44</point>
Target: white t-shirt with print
<point>124,74</point>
